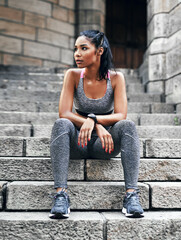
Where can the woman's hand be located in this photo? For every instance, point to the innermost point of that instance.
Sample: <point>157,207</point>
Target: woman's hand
<point>106,138</point>
<point>86,131</point>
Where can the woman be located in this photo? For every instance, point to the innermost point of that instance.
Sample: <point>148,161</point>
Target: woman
<point>94,131</point>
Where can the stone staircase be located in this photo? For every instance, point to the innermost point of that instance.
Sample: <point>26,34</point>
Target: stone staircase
<point>28,108</point>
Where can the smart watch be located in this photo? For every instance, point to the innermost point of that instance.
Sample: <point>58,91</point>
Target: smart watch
<point>92,116</point>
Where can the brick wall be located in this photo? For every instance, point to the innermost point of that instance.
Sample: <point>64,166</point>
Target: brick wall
<point>161,71</point>
<point>35,32</point>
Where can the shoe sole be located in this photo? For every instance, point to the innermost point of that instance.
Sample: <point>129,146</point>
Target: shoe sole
<point>59,215</point>
<point>133,215</point>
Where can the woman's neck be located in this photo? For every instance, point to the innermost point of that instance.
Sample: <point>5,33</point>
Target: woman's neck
<point>92,73</point>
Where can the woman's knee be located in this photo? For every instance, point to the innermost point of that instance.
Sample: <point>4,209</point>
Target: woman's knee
<point>63,122</point>
<point>126,124</point>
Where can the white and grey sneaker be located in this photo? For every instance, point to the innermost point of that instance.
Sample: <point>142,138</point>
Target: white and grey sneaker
<point>131,205</point>
<point>61,207</point>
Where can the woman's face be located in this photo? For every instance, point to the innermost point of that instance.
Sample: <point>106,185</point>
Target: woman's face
<point>85,53</point>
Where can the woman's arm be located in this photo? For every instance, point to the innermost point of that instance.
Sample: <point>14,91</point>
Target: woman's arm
<point>120,102</point>
<point>66,99</point>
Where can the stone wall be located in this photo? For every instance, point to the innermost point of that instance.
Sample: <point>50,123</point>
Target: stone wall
<point>161,69</point>
<point>38,33</point>
<point>42,32</point>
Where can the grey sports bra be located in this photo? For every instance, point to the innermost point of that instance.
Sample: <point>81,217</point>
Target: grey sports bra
<point>84,105</point>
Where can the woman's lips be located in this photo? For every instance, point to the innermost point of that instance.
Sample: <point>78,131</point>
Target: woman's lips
<point>79,61</point>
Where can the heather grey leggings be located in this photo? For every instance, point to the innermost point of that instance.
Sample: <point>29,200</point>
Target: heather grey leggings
<point>64,146</point>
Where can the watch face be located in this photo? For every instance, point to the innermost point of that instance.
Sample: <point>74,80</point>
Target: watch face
<point>92,116</point>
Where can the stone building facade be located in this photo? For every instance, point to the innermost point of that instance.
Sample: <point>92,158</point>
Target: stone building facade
<point>42,33</point>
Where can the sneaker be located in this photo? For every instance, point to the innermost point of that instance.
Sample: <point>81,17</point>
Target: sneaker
<point>131,205</point>
<point>61,208</point>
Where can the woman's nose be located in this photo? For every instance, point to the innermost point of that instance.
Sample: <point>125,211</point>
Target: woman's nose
<point>77,53</point>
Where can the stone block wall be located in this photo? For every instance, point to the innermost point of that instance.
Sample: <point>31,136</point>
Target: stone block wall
<point>37,32</point>
<point>161,68</point>
<point>42,32</point>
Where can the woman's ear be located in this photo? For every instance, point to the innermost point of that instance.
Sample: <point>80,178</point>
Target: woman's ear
<point>100,51</point>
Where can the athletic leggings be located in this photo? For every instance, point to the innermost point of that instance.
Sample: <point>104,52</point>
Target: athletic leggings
<point>64,146</point>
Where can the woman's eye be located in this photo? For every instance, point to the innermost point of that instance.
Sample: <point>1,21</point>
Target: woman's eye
<point>84,48</point>
<point>75,49</point>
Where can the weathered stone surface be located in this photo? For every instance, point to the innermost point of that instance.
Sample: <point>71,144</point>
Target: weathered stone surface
<point>173,61</point>
<point>94,4</point>
<point>39,50</point>
<point>155,87</point>
<point>2,183</point>
<point>28,117</point>
<point>37,225</point>
<point>174,20</point>
<point>172,132</point>
<point>36,169</point>
<point>20,106</point>
<point>17,30</point>
<point>138,107</point>
<point>21,61</point>
<point>35,6</point>
<point>10,14</point>
<point>11,146</point>
<point>67,3</point>
<point>179,108</point>
<point>160,119</point>
<point>166,195</point>
<point>134,87</point>
<point>157,27</point>
<point>42,130</point>
<point>60,13</point>
<point>158,6</point>
<point>53,38</point>
<point>59,26</point>
<point>157,67</point>
<point>83,195</point>
<point>155,225</point>
<point>67,56</point>
<point>158,45</point>
<point>34,20</point>
<point>10,45</point>
<point>150,169</point>
<point>15,130</point>
<point>162,108</point>
<point>37,147</point>
<point>163,148</point>
<point>144,97</point>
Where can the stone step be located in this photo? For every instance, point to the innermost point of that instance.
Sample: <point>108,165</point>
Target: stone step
<point>2,185</point>
<point>48,118</point>
<point>34,130</point>
<point>31,195</point>
<point>91,225</point>
<point>43,95</point>
<point>155,225</point>
<point>133,107</point>
<point>40,169</point>
<point>27,69</point>
<point>39,147</point>
<point>55,86</point>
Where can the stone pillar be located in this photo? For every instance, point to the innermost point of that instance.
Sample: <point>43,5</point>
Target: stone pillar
<point>91,15</point>
<point>161,68</point>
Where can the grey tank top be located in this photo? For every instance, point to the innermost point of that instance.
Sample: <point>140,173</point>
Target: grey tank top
<point>84,105</point>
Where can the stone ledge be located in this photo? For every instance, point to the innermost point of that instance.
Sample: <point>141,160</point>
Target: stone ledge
<point>155,225</point>
<point>37,225</point>
<point>165,195</point>
<point>2,183</point>
<point>83,195</point>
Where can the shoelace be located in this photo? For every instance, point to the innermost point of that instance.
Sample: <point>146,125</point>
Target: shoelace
<point>134,198</point>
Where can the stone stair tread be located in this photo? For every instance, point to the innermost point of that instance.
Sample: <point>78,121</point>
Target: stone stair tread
<point>38,130</point>
<point>40,146</point>
<point>29,195</point>
<point>39,169</point>
<point>37,225</point>
<point>40,106</point>
<point>50,117</point>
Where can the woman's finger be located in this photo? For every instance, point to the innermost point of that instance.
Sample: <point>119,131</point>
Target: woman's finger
<point>82,138</point>
<point>85,137</point>
<point>110,143</point>
<point>106,143</point>
<point>89,135</point>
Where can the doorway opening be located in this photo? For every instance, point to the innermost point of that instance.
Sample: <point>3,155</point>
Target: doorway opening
<point>126,29</point>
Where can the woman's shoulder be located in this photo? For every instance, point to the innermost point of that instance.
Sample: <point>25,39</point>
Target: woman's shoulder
<point>116,78</point>
<point>72,74</point>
